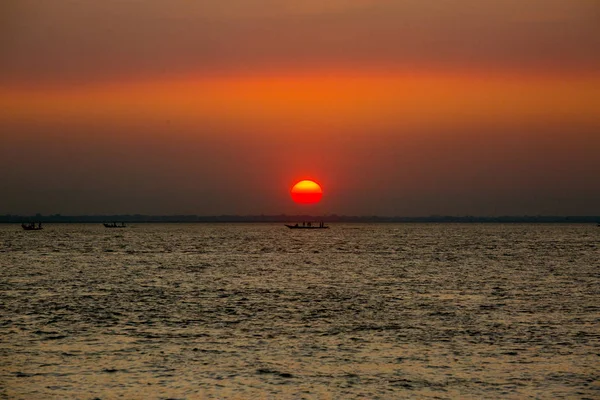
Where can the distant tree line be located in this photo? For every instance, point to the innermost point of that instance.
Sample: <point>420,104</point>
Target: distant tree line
<point>332,218</point>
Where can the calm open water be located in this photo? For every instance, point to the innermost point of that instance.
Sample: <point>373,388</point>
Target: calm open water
<point>260,311</point>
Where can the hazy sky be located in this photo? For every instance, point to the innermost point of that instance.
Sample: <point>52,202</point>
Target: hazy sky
<point>404,107</point>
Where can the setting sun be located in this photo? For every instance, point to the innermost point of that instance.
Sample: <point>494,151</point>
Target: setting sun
<point>306,192</point>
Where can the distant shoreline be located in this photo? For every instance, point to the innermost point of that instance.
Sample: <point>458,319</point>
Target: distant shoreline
<point>136,218</point>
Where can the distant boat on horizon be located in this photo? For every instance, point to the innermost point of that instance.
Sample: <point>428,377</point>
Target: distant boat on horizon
<point>114,225</point>
<point>308,225</point>
<point>32,226</point>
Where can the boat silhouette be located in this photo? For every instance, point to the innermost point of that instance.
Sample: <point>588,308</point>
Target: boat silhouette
<point>32,226</point>
<point>307,225</point>
<point>114,225</point>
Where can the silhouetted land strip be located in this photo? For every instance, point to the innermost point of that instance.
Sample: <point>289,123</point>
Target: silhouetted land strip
<point>333,218</point>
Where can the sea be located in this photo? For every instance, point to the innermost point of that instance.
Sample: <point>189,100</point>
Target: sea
<point>260,311</point>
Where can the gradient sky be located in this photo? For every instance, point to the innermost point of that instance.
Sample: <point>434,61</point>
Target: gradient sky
<point>405,107</point>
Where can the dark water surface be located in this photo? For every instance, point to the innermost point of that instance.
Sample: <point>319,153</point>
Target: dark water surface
<point>260,311</point>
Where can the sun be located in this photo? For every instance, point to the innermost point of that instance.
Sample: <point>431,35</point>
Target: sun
<point>306,192</point>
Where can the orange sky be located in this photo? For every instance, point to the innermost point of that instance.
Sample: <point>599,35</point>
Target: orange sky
<point>398,108</point>
<point>346,98</point>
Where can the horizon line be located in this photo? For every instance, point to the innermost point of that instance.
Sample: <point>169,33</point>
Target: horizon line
<point>141,218</point>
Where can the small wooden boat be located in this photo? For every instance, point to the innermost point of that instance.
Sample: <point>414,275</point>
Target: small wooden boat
<point>32,226</point>
<point>115,225</point>
<point>297,226</point>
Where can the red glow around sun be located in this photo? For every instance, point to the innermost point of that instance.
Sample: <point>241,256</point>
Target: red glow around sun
<point>306,192</point>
